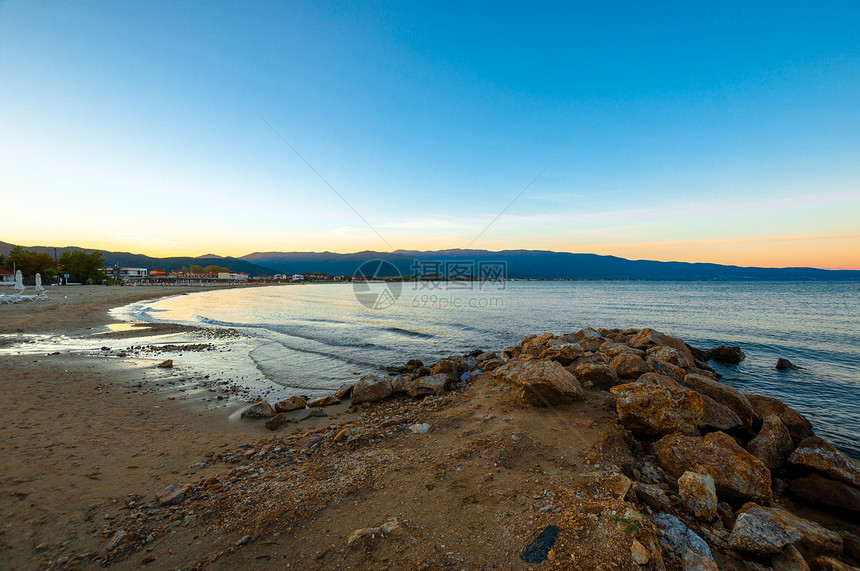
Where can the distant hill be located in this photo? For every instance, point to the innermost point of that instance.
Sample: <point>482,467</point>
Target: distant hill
<point>542,264</point>
<point>521,264</point>
<point>140,261</point>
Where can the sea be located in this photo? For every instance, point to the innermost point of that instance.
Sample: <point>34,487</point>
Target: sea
<point>311,338</point>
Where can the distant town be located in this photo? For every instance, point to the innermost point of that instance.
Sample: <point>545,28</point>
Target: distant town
<point>185,276</point>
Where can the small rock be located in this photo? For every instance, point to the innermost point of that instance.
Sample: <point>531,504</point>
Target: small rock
<point>772,444</point>
<point>390,527</point>
<point>168,364</point>
<point>172,494</point>
<point>278,421</point>
<point>420,428</point>
<point>652,496</point>
<point>371,389</point>
<point>629,366</point>
<point>117,539</point>
<point>640,554</point>
<point>798,426</point>
<point>344,391</point>
<point>292,403</point>
<point>324,401</point>
<point>699,495</point>
<point>727,355</point>
<point>789,559</point>
<point>260,409</point>
<point>682,539</point>
<point>785,365</point>
<point>538,549</point>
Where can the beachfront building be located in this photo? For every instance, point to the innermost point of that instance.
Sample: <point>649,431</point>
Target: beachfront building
<point>6,277</point>
<point>119,273</point>
<point>233,276</point>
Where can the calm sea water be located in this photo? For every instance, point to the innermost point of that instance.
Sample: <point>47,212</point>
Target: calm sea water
<point>311,338</point>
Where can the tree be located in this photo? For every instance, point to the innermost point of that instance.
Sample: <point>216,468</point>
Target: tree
<point>195,269</point>
<point>29,262</point>
<point>83,267</point>
<point>214,269</point>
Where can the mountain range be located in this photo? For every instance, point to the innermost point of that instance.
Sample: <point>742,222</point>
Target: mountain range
<point>516,264</point>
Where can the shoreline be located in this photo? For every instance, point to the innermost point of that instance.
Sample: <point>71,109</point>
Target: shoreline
<point>113,461</point>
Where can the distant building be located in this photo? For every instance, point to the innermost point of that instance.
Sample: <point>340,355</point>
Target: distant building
<point>6,277</point>
<point>119,273</point>
<point>158,273</point>
<point>298,278</point>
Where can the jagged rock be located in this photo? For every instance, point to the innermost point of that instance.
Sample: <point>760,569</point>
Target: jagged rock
<point>446,367</point>
<point>611,349</point>
<point>324,401</point>
<point>717,416</point>
<point>699,495</point>
<point>278,421</point>
<point>587,338</point>
<point>639,553</point>
<point>599,374</point>
<point>736,472</point>
<point>344,391</point>
<point>820,490</point>
<point>510,353</point>
<point>617,485</point>
<point>652,410</point>
<point>260,409</point>
<point>538,550</point>
<point>168,364</point>
<point>652,496</point>
<point>390,527</point>
<point>292,403</point>
<point>469,364</point>
<point>789,559</point>
<point>492,364</point>
<point>487,356</point>
<point>825,563</point>
<point>772,444</point>
<point>371,389</point>
<point>648,338</point>
<point>766,531</point>
<point>414,364</point>
<point>541,382</point>
<point>666,369</point>
<point>785,365</point>
<point>172,494</point>
<point>683,540</point>
<point>401,383</point>
<point>817,454</point>
<point>669,355</point>
<point>850,545</point>
<point>629,366</point>
<point>118,538</point>
<point>656,379</point>
<point>728,355</point>
<point>564,353</point>
<point>797,425</point>
<point>425,386</point>
<point>724,395</point>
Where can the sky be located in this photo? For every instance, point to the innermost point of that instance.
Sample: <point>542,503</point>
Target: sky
<point>717,132</point>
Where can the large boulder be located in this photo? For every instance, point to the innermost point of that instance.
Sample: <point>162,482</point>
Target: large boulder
<point>669,355</point>
<point>323,401</point>
<point>772,444</point>
<point>446,367</point>
<point>371,389</point>
<point>564,353</point>
<point>648,338</point>
<point>736,473</point>
<point>587,338</point>
<point>655,409</point>
<point>430,385</point>
<point>798,426</point>
<point>817,454</point>
<point>727,355</point>
<point>600,375</point>
<point>717,416</point>
<point>765,531</point>
<point>541,383</point>
<point>666,369</point>
<point>611,349</point>
<point>292,403</point>
<point>629,366</point>
<point>260,409</point>
<point>725,395</point>
<point>820,490</point>
<point>699,495</point>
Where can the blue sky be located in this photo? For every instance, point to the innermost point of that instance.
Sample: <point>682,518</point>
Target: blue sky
<point>724,133</point>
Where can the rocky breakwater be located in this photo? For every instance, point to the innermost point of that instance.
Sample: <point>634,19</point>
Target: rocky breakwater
<point>725,480</point>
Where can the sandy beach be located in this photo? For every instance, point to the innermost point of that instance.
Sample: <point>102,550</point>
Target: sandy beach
<point>113,461</point>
